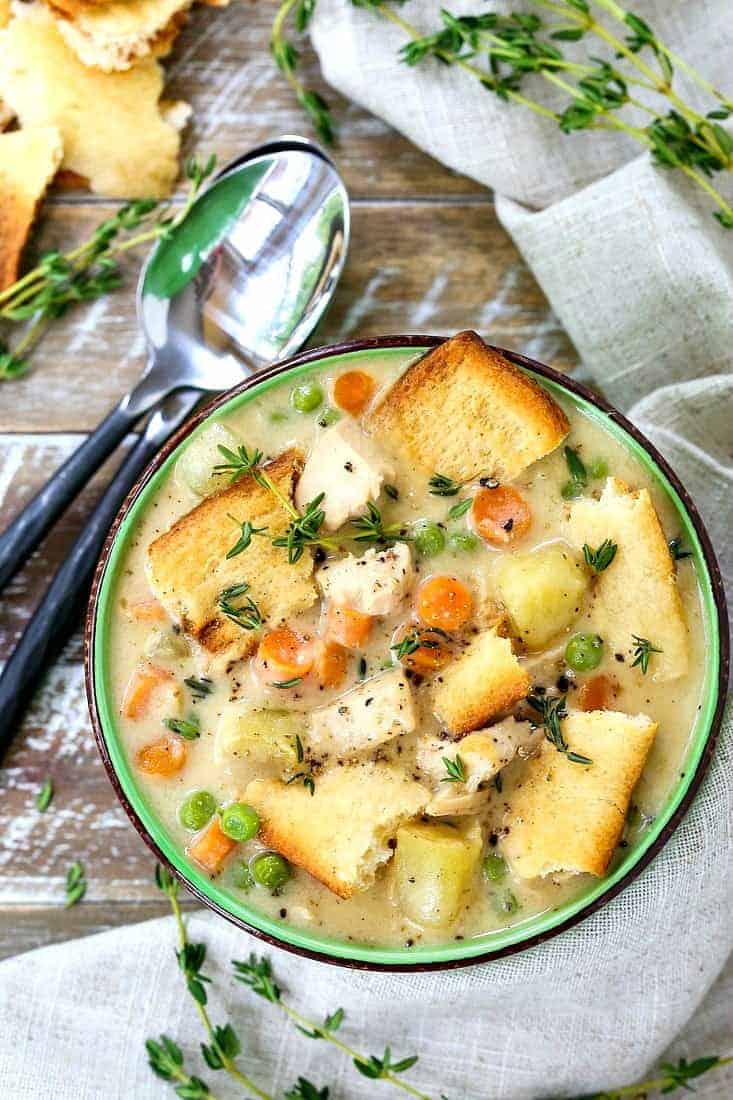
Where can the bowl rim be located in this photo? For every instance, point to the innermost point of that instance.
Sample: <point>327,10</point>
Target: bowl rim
<point>564,382</point>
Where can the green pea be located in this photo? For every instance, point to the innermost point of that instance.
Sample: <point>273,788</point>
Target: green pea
<point>584,651</point>
<point>242,877</point>
<point>571,490</point>
<point>429,538</point>
<point>196,810</point>
<point>270,870</point>
<point>239,821</point>
<point>494,867</point>
<point>306,397</point>
<point>598,468</point>
<point>462,542</point>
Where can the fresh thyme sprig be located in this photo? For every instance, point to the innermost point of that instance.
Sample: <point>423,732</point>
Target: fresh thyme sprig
<point>76,884</point>
<point>223,1042</point>
<point>199,688</point>
<point>246,533</point>
<point>89,271</point>
<point>44,796</point>
<point>643,650</point>
<point>187,728</point>
<point>286,57</point>
<point>370,528</point>
<point>442,486</point>
<point>552,711</point>
<point>674,1075</point>
<point>246,615</point>
<point>460,508</point>
<point>417,639</point>
<point>165,1058</point>
<point>456,770</point>
<point>257,974</point>
<point>601,558</point>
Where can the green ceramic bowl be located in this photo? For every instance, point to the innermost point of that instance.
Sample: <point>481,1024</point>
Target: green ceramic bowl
<point>494,944</point>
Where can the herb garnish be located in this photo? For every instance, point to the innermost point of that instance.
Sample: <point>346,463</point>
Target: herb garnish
<point>677,550</point>
<point>578,475</point>
<point>76,884</point>
<point>456,770</point>
<point>89,271</point>
<point>303,530</point>
<point>643,649</point>
<point>392,491</point>
<point>246,615</point>
<point>460,508</point>
<point>552,711</point>
<point>44,796</point>
<point>601,558</point>
<point>287,683</point>
<point>241,462</point>
<point>417,639</point>
<point>199,688</point>
<point>165,1058</point>
<point>442,486</point>
<point>189,729</point>
<point>246,533</point>
<point>371,528</point>
<point>308,781</point>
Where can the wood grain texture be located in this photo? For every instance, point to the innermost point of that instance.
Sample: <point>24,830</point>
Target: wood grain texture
<point>427,255</point>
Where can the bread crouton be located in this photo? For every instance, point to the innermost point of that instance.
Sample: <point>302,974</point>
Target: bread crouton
<point>113,36</point>
<point>463,410</point>
<point>341,833</point>
<point>188,568</point>
<point>565,816</point>
<point>134,152</point>
<point>637,593</point>
<point>368,716</point>
<point>28,162</point>
<point>485,680</point>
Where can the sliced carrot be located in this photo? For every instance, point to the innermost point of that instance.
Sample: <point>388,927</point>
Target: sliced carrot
<point>140,687</point>
<point>433,652</point>
<point>284,655</point>
<point>353,391</point>
<point>444,602</point>
<point>211,847</point>
<point>347,627</point>
<point>501,515</point>
<point>164,757</point>
<point>330,664</point>
<point>146,611</point>
<point>597,693</point>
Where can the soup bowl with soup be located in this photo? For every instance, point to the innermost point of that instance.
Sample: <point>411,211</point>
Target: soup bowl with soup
<point>407,653</point>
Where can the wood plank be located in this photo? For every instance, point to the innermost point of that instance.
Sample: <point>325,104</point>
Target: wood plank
<point>413,267</point>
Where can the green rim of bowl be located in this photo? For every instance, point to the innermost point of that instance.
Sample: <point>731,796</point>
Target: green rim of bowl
<point>498,941</point>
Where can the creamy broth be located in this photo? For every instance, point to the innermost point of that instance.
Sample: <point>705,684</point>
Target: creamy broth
<point>373,916</point>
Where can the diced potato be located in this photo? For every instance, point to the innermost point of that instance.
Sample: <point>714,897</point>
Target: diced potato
<point>261,736</point>
<point>435,868</point>
<point>165,645</point>
<point>195,467</point>
<point>543,591</point>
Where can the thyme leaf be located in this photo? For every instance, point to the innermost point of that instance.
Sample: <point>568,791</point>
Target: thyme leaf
<point>370,528</point>
<point>456,770</point>
<point>460,508</point>
<point>76,884</point>
<point>187,728</point>
<point>246,615</point>
<point>601,558</point>
<point>246,534</point>
<point>442,486</point>
<point>643,650</point>
<point>199,688</point>
<point>552,711</point>
<point>44,796</point>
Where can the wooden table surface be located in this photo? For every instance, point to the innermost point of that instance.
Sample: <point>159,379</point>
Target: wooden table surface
<point>427,255</point>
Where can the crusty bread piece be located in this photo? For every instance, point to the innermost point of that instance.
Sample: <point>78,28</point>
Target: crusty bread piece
<point>341,833</point>
<point>486,679</point>
<point>565,816</point>
<point>28,161</point>
<point>112,36</point>
<point>188,568</point>
<point>464,410</point>
<point>111,124</point>
<point>637,593</point>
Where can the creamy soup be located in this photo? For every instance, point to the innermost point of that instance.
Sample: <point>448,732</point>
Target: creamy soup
<point>428,610</point>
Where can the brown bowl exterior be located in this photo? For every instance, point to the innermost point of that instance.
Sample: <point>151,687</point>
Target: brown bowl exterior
<point>377,344</point>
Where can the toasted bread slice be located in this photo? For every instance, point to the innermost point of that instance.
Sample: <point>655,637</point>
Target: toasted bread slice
<point>188,566</point>
<point>341,833</point>
<point>637,594</point>
<point>484,681</point>
<point>113,36</point>
<point>113,131</point>
<point>463,410</point>
<point>28,162</point>
<point>565,816</point>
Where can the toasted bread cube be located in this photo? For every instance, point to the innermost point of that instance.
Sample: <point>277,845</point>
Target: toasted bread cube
<point>28,163</point>
<point>484,681</point>
<point>188,568</point>
<point>348,468</point>
<point>483,755</point>
<point>463,410</point>
<point>543,591</point>
<point>373,713</point>
<point>565,816</point>
<point>637,593</point>
<point>340,834</point>
<point>435,868</point>
<point>374,584</point>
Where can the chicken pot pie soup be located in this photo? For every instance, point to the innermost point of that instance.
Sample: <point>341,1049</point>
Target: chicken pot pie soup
<point>407,650</point>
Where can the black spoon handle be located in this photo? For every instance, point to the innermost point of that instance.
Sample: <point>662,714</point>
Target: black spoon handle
<point>58,612</point>
<point>23,535</point>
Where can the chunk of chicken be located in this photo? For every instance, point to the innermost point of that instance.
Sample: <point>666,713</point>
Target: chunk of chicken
<point>375,712</point>
<point>348,468</point>
<point>374,584</point>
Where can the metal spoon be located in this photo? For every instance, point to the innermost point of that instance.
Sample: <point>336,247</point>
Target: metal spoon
<point>259,294</point>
